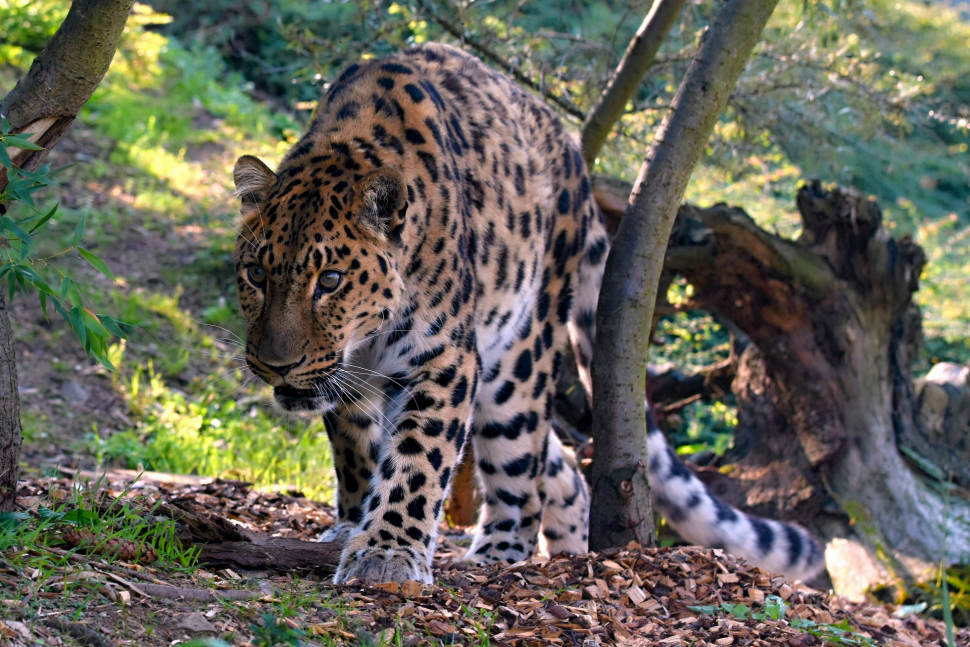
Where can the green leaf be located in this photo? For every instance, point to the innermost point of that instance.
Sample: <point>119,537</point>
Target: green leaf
<point>75,295</point>
<point>4,125</point>
<point>44,219</point>
<point>43,304</point>
<point>61,310</point>
<point>46,513</point>
<point>94,324</point>
<point>23,196</point>
<point>19,141</point>
<point>96,263</point>
<point>8,225</point>
<point>79,230</point>
<point>80,517</point>
<point>12,520</point>
<point>775,607</point>
<point>709,609</point>
<point>5,158</point>
<point>112,326</point>
<point>77,325</point>
<point>35,279</point>
<point>738,610</point>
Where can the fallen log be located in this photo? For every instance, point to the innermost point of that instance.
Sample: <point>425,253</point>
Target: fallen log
<point>273,553</point>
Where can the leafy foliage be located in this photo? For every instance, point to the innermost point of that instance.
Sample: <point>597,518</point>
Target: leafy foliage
<point>25,272</point>
<point>774,608</point>
<point>274,631</point>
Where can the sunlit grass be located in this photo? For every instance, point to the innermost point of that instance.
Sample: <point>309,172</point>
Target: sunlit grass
<point>211,433</point>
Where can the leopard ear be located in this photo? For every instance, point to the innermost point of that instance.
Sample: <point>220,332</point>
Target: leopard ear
<point>380,202</point>
<point>253,182</point>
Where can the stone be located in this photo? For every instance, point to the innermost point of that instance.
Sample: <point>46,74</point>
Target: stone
<point>852,569</point>
<point>74,392</point>
<point>197,623</point>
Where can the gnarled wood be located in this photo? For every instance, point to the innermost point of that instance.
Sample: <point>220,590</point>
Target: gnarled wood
<point>825,392</point>
<point>273,553</point>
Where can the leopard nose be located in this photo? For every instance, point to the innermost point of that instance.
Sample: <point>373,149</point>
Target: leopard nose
<point>283,370</point>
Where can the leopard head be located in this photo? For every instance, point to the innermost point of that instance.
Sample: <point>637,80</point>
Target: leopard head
<point>316,270</point>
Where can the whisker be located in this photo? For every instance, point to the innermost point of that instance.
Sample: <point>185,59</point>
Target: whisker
<point>202,323</point>
<point>380,413</point>
<point>390,379</point>
<point>223,376</point>
<point>238,358</point>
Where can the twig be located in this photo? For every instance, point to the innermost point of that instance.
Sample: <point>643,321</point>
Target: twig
<point>499,60</point>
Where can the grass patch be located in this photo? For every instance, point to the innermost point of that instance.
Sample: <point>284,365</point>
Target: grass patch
<point>212,435</point>
<point>37,544</point>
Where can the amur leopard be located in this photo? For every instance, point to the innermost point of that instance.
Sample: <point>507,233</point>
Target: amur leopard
<point>413,270</point>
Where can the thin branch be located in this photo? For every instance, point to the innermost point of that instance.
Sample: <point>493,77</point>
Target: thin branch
<point>502,62</point>
<point>639,57</point>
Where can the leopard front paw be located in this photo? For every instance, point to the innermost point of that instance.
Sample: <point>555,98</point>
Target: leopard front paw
<point>340,532</point>
<point>382,563</point>
<point>500,547</point>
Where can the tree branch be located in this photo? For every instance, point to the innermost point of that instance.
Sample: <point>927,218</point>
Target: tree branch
<point>639,56</point>
<point>506,65</point>
<point>65,75</point>
<point>629,293</point>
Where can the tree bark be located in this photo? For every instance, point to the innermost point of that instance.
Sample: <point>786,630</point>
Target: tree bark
<point>626,303</point>
<point>281,554</point>
<point>10,439</point>
<point>640,55</point>
<point>65,75</point>
<point>45,102</point>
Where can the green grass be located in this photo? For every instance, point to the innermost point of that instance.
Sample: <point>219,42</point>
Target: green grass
<point>27,539</point>
<point>193,409</point>
<point>212,435</point>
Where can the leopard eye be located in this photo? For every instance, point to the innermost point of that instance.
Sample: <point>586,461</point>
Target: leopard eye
<point>256,274</point>
<point>328,282</point>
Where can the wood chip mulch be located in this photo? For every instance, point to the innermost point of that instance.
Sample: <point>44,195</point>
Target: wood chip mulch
<point>633,596</point>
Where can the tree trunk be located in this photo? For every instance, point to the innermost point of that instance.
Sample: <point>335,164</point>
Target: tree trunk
<point>639,56</point>
<point>826,402</point>
<point>45,103</point>
<point>10,439</point>
<point>620,509</point>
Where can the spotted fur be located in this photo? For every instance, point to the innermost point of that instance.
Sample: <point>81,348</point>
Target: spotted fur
<point>413,270</point>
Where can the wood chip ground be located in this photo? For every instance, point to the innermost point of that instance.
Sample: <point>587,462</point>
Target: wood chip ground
<point>630,596</point>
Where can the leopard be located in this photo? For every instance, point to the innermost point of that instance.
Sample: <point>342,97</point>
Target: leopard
<point>414,271</point>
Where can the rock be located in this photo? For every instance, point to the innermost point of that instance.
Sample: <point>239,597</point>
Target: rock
<point>196,623</point>
<point>941,439</point>
<point>852,569</point>
<point>74,392</point>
